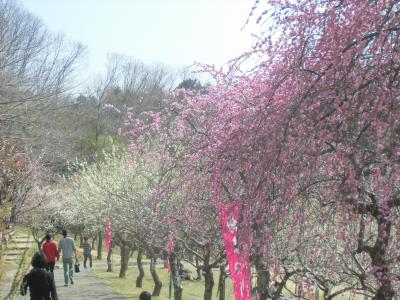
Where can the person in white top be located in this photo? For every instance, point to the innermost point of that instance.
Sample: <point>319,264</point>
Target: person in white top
<point>67,247</point>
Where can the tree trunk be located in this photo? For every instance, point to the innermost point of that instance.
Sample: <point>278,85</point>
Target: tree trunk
<point>154,275</point>
<point>94,243</point>
<point>132,251</point>
<point>109,262</point>
<point>99,244</point>
<point>316,295</point>
<point>325,293</point>
<point>198,269</point>
<point>377,254</point>
<point>176,279</point>
<point>208,283</point>
<point>124,260</point>
<point>139,279</point>
<point>221,281</point>
<point>80,240</point>
<point>208,275</point>
<point>281,284</point>
<point>263,278</point>
<point>40,242</point>
<point>12,217</point>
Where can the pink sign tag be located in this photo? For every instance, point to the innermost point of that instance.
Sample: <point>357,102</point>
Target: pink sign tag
<point>108,235</point>
<point>238,262</point>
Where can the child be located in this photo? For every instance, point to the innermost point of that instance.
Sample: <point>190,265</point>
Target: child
<point>87,252</point>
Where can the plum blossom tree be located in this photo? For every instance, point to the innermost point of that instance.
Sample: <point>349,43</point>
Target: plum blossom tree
<point>44,212</point>
<point>315,123</point>
<point>16,176</point>
<point>119,189</point>
<point>197,231</point>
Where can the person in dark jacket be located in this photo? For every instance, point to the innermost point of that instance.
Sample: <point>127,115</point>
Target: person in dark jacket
<point>39,280</point>
<point>145,296</point>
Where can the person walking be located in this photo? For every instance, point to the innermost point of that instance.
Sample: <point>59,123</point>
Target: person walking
<point>50,249</point>
<point>67,247</point>
<point>87,252</point>
<point>39,280</point>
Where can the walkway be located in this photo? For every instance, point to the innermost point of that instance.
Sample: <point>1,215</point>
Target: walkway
<point>86,286</point>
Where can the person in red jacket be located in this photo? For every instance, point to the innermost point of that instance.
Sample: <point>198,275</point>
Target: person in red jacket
<point>49,248</point>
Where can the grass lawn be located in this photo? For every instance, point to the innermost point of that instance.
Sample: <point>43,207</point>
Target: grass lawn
<point>192,290</point>
<point>344,296</point>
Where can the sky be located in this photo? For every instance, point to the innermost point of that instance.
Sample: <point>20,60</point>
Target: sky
<point>174,32</point>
